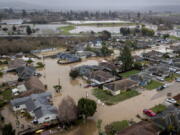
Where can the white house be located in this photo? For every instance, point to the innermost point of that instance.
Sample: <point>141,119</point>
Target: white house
<point>39,106</point>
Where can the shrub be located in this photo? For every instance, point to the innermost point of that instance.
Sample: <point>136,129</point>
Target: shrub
<point>40,65</point>
<point>115,127</point>
<point>74,74</point>
<point>86,107</point>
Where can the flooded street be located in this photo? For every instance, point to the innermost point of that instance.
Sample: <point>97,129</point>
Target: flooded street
<point>126,110</point>
<point>86,128</point>
<point>54,74</point>
<point>162,48</point>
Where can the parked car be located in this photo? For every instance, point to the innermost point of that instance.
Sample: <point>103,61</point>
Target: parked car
<point>172,69</point>
<point>87,86</point>
<point>177,79</point>
<point>178,72</point>
<point>166,85</point>
<point>160,78</point>
<point>171,100</point>
<point>149,112</point>
<point>160,88</point>
<point>38,74</point>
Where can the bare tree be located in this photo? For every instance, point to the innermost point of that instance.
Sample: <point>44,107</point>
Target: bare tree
<point>67,110</point>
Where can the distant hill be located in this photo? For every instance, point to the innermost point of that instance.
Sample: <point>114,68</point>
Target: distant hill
<point>19,5</point>
<point>16,4</point>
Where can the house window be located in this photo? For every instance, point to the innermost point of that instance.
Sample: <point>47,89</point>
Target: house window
<point>17,106</point>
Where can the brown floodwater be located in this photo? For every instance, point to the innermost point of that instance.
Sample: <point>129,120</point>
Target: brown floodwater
<point>126,110</point>
<point>54,73</point>
<point>86,128</point>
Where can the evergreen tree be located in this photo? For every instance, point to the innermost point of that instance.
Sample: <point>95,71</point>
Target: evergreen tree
<point>86,107</point>
<point>28,30</point>
<point>126,58</point>
<point>8,130</point>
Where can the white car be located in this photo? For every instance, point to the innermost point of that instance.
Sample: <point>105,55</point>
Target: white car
<point>177,79</point>
<point>166,85</point>
<point>171,100</point>
<point>178,72</point>
<point>160,78</point>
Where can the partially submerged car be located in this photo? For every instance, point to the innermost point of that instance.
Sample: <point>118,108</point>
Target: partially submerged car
<point>171,100</point>
<point>149,112</point>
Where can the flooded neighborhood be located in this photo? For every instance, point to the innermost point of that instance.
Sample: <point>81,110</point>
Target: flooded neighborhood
<point>84,72</point>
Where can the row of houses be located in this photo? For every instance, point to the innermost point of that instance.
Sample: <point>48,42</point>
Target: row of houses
<point>103,75</point>
<point>30,95</point>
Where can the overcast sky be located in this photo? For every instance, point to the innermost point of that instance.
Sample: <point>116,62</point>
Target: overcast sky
<point>93,4</point>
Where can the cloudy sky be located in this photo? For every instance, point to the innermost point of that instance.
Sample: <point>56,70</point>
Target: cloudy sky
<point>89,4</point>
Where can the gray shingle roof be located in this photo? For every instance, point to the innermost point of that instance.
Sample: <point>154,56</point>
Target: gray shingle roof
<point>37,103</point>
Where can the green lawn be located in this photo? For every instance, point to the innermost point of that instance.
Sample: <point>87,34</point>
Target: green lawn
<point>159,108</point>
<point>109,99</point>
<point>153,85</point>
<point>170,78</point>
<point>66,29</point>
<point>115,127</point>
<point>129,73</point>
<point>175,38</point>
<point>5,96</point>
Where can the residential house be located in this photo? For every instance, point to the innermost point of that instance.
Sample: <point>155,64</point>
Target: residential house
<point>121,85</point>
<point>85,54</point>
<point>176,62</point>
<point>138,58</point>
<point>85,70</point>
<point>20,89</point>
<point>143,78</point>
<point>25,72</point>
<point>33,83</point>
<point>39,106</point>
<point>14,64</point>
<point>95,44</point>
<point>109,66</point>
<point>65,58</point>
<point>31,86</point>
<point>100,77</point>
<point>176,49</point>
<point>161,70</point>
<point>142,45</point>
<point>153,56</point>
<point>140,128</point>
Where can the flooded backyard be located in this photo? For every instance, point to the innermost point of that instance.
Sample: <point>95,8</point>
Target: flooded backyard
<point>54,73</point>
<point>126,110</point>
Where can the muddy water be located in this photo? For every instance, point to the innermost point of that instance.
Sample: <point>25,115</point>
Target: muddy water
<point>86,128</point>
<point>126,110</point>
<point>55,73</point>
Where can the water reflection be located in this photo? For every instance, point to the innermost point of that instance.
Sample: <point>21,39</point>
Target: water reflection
<point>87,128</point>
